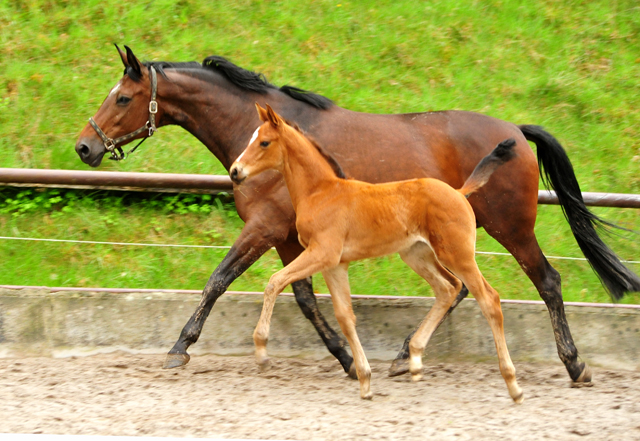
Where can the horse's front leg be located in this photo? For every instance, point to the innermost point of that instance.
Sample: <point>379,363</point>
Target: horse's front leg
<point>310,261</point>
<point>306,299</point>
<point>253,242</point>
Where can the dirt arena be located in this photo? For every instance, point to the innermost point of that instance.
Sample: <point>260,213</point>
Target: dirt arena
<point>227,397</point>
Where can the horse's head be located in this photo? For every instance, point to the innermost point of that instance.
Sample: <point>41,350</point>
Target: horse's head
<point>126,114</point>
<point>265,149</point>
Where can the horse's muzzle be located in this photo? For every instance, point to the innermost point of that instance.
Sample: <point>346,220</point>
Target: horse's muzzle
<point>89,154</point>
<point>237,174</point>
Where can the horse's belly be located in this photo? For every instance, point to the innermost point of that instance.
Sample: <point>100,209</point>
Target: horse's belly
<point>376,247</point>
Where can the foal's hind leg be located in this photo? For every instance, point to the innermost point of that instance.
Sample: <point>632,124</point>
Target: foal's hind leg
<point>465,267</point>
<point>338,283</point>
<point>421,259</point>
<point>489,303</point>
<point>400,365</point>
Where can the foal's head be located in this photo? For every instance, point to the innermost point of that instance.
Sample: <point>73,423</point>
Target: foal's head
<point>125,110</point>
<point>265,150</point>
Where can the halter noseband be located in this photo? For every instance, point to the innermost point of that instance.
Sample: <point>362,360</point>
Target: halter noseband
<point>112,144</point>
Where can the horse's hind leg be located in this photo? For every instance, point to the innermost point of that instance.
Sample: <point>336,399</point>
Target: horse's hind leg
<point>306,300</point>
<point>337,279</point>
<point>400,365</point>
<point>548,282</point>
<point>489,302</point>
<point>421,259</point>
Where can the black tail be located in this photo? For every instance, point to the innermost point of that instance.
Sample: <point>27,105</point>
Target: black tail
<point>485,168</point>
<point>557,173</point>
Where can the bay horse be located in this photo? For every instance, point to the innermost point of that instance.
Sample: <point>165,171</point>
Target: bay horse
<point>214,102</point>
<point>426,221</point>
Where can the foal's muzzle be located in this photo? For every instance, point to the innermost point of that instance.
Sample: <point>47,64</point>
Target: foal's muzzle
<point>237,174</point>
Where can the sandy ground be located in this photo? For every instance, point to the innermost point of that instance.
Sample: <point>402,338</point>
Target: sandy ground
<point>227,397</point>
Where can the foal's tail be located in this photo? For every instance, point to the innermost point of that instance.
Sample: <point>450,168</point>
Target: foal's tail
<point>485,168</point>
<point>557,173</point>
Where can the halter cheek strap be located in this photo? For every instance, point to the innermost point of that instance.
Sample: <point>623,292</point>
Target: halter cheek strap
<point>112,144</point>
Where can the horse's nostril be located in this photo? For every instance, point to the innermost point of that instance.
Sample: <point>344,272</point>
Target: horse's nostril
<point>234,174</point>
<point>84,151</point>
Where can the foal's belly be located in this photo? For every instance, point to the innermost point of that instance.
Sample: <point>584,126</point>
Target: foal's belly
<point>377,247</point>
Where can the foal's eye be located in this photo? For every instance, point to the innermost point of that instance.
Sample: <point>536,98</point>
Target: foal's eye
<point>265,144</point>
<point>123,100</point>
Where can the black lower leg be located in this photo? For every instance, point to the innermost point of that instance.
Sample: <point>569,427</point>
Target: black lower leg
<point>400,365</point>
<point>303,290</point>
<point>231,267</point>
<point>552,296</point>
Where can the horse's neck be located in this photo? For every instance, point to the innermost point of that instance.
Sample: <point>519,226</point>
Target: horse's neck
<point>305,170</point>
<point>216,114</point>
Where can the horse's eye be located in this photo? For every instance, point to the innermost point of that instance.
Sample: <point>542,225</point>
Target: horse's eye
<point>123,100</point>
<point>265,144</point>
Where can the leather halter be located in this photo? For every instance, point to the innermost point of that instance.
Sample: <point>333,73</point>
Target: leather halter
<point>112,144</point>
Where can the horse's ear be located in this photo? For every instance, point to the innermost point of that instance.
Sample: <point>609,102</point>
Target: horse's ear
<point>262,113</point>
<point>123,56</point>
<point>134,63</point>
<point>273,117</point>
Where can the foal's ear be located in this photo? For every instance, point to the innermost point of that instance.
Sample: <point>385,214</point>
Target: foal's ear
<point>123,56</point>
<point>134,63</point>
<point>262,113</point>
<point>273,117</point>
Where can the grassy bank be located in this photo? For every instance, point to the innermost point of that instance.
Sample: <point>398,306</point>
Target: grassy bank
<point>573,67</point>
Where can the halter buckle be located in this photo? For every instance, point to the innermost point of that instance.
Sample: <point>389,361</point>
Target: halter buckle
<point>110,145</point>
<point>153,107</point>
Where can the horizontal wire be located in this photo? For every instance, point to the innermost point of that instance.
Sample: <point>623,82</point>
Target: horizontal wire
<point>226,247</point>
<point>117,243</point>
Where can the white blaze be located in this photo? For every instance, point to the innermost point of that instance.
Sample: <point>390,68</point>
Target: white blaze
<point>115,88</point>
<point>253,138</point>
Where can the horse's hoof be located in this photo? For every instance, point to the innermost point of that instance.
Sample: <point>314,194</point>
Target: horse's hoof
<point>584,380</point>
<point>416,377</point>
<point>175,360</point>
<point>367,396</point>
<point>353,374</point>
<point>399,366</point>
<point>264,365</point>
<point>518,398</point>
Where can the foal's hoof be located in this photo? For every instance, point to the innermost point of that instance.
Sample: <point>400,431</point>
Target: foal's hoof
<point>353,374</point>
<point>399,366</point>
<point>584,380</point>
<point>264,364</point>
<point>367,396</point>
<point>175,360</point>
<point>518,399</point>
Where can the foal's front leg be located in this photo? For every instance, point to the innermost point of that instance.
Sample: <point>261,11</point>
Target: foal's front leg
<point>311,261</point>
<point>338,282</point>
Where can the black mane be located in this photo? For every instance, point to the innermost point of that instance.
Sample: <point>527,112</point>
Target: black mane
<point>242,78</point>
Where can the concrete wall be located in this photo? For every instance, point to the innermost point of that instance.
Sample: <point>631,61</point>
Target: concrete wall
<point>43,323</point>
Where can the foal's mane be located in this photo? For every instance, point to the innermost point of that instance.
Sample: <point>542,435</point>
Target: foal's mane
<point>242,78</point>
<point>325,154</point>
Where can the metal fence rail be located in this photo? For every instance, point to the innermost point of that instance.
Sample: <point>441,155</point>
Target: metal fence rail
<point>192,183</point>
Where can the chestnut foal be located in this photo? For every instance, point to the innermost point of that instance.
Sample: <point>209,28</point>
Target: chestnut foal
<point>431,225</point>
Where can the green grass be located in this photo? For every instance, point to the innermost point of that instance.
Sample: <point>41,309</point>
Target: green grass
<point>572,66</point>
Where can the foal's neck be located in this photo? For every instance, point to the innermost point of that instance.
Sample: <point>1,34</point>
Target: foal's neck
<point>305,170</point>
